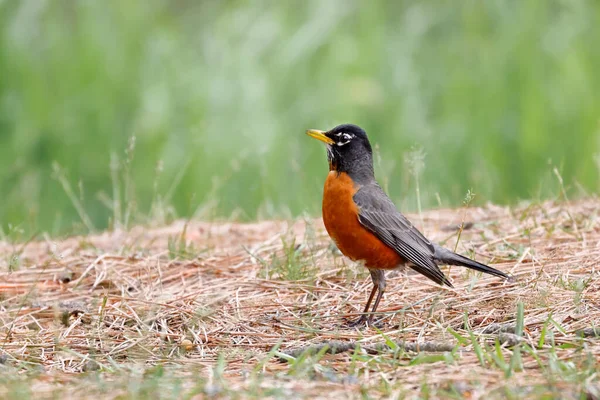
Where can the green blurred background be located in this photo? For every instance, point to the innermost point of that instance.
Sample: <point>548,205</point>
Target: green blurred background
<point>487,95</point>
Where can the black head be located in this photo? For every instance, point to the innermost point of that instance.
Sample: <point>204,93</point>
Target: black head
<point>348,150</point>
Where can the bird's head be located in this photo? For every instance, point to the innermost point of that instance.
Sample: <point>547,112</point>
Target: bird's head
<point>348,150</point>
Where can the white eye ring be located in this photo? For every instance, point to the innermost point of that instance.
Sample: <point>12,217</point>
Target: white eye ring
<point>347,137</point>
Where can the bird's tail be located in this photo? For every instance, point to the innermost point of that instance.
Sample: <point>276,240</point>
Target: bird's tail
<point>445,256</point>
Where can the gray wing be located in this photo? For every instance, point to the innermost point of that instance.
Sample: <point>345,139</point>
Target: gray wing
<point>379,215</point>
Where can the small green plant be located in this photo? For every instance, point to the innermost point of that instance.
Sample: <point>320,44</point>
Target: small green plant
<point>180,248</point>
<point>296,261</point>
<point>415,162</point>
<point>60,175</point>
<point>469,197</point>
<point>15,237</point>
<point>292,265</point>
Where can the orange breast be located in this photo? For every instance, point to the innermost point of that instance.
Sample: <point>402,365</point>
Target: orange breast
<point>340,215</point>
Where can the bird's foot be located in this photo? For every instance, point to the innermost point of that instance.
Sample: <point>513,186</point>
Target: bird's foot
<point>362,321</point>
<point>365,321</point>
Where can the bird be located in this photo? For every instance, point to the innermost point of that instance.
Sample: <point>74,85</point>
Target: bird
<point>365,224</point>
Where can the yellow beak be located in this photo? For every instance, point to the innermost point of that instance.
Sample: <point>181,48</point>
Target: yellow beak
<point>319,135</point>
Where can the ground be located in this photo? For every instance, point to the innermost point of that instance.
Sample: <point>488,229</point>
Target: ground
<point>195,310</point>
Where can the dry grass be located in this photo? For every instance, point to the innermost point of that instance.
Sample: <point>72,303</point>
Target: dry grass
<point>212,309</point>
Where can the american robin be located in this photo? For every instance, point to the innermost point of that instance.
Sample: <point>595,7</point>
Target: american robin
<point>365,224</point>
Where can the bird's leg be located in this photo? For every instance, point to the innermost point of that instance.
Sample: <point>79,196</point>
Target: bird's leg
<point>363,318</point>
<point>378,278</point>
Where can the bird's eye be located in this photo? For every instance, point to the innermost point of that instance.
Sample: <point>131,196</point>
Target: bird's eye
<point>345,139</point>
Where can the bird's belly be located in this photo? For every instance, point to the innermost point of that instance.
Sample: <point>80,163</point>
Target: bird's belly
<point>340,216</point>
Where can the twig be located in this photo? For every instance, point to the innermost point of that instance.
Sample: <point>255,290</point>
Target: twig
<point>337,347</point>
